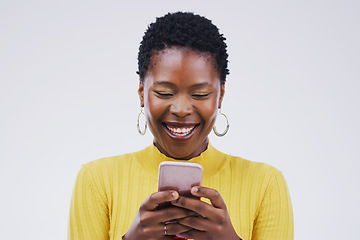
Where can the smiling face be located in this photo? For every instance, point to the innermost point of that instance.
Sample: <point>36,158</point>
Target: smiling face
<point>181,94</point>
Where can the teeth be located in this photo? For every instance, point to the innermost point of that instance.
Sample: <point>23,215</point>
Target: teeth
<point>181,131</point>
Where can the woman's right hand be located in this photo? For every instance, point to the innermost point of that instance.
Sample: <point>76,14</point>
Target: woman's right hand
<point>149,221</point>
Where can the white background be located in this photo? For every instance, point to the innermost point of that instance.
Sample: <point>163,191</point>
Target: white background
<point>68,95</point>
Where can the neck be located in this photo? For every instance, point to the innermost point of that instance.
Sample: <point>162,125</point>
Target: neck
<point>200,149</point>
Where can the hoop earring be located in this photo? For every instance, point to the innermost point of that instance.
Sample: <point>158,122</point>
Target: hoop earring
<point>138,123</point>
<point>226,129</point>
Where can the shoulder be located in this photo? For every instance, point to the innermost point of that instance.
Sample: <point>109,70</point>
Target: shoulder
<point>108,162</point>
<point>251,167</point>
<point>259,178</point>
<point>104,174</point>
<point>252,173</point>
<point>258,168</point>
<point>108,166</point>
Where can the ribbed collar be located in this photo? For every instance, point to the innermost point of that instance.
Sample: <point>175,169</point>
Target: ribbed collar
<point>211,159</point>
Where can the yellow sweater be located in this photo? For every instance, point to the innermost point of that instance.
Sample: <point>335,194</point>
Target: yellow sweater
<point>109,191</point>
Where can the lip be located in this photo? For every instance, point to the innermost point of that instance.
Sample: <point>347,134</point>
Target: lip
<point>180,131</point>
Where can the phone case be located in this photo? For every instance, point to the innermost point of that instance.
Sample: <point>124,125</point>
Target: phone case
<point>179,176</point>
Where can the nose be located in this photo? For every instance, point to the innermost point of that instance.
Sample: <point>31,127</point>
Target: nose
<point>181,107</point>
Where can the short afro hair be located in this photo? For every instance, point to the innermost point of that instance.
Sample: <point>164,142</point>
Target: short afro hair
<point>183,29</point>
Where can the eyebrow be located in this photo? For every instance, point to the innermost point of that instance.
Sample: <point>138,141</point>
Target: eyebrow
<point>172,84</point>
<point>164,83</point>
<point>201,84</point>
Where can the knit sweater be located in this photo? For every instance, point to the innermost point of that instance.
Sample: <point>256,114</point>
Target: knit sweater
<point>109,191</point>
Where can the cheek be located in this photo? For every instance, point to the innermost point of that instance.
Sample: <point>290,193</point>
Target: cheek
<point>208,111</point>
<point>154,108</point>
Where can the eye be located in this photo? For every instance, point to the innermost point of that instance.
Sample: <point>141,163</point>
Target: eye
<point>200,95</point>
<point>163,94</point>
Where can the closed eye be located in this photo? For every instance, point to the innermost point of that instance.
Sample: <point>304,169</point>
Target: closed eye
<point>201,96</point>
<point>163,94</point>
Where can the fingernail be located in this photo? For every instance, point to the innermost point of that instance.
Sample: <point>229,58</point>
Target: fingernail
<point>195,189</point>
<point>175,194</point>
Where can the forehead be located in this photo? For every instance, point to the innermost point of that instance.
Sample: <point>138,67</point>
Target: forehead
<point>176,51</point>
<point>182,61</point>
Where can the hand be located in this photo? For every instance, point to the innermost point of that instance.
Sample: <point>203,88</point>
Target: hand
<point>212,221</point>
<point>149,222</point>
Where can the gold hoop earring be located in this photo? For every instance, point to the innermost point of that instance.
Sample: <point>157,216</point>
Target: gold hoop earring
<point>226,129</point>
<point>138,123</point>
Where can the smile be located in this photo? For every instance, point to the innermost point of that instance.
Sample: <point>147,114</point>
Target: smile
<point>180,132</point>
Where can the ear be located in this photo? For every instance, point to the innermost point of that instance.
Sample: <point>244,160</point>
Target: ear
<point>141,93</point>
<point>222,93</point>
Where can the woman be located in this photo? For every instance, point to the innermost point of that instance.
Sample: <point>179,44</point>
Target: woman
<point>182,68</point>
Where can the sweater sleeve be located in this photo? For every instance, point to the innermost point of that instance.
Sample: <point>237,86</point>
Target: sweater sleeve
<point>89,217</point>
<point>275,215</point>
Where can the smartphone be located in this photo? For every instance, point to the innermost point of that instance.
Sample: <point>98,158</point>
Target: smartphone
<point>179,176</point>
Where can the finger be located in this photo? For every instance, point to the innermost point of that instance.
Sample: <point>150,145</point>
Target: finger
<point>165,237</point>
<point>176,228</point>
<point>213,195</point>
<point>153,201</point>
<point>171,213</point>
<point>193,234</point>
<point>198,223</point>
<point>204,209</point>
<point>151,218</point>
<point>161,229</point>
<point>160,216</point>
<point>167,229</point>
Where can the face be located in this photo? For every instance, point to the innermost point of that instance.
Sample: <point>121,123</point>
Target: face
<point>181,94</point>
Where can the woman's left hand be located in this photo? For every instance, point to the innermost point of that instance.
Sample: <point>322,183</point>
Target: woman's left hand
<point>213,221</point>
